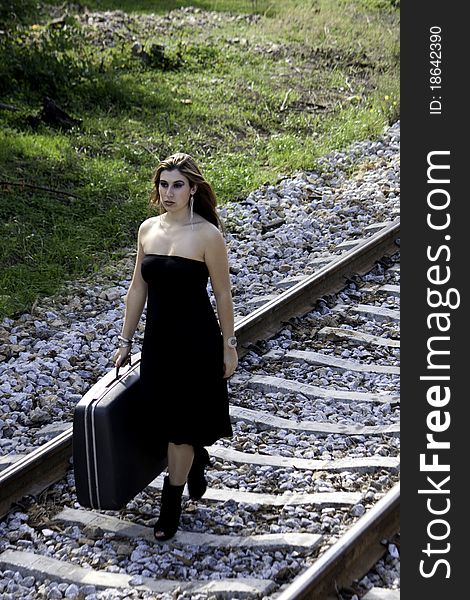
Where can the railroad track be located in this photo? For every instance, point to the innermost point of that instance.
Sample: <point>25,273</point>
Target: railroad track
<point>293,358</point>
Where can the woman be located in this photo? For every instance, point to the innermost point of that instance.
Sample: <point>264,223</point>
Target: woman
<point>187,354</point>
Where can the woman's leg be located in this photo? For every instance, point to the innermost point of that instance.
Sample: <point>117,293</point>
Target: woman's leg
<point>197,484</point>
<point>180,459</point>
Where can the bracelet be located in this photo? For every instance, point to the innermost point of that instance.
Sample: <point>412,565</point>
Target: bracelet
<point>127,341</point>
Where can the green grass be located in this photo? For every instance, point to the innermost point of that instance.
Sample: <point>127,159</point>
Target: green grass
<point>164,6</point>
<point>247,115</point>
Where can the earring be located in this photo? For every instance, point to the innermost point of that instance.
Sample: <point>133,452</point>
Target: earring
<point>191,213</point>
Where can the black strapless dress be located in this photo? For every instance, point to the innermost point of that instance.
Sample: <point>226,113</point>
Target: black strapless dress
<point>181,369</point>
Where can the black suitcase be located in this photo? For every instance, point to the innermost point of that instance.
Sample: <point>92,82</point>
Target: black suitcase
<point>115,455</point>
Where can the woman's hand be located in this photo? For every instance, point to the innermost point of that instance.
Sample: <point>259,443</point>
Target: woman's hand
<point>122,356</point>
<point>230,361</point>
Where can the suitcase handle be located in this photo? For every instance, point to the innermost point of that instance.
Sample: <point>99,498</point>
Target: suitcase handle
<point>127,361</point>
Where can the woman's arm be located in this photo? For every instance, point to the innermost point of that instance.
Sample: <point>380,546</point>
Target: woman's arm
<point>216,260</point>
<point>134,303</point>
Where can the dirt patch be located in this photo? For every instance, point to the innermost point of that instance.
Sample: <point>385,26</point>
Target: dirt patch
<point>108,29</point>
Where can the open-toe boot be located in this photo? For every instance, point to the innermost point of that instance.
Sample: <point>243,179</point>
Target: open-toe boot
<point>197,484</point>
<point>170,511</point>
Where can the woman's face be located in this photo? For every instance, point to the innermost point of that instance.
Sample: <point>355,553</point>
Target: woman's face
<point>174,189</point>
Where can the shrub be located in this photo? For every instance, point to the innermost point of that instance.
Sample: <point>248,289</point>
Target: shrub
<point>13,12</point>
<point>46,60</point>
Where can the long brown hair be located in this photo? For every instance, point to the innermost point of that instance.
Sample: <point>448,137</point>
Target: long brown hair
<point>205,200</point>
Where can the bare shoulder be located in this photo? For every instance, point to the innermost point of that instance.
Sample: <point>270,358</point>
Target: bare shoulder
<point>215,251</point>
<point>212,235</point>
<point>146,228</point>
<point>147,224</point>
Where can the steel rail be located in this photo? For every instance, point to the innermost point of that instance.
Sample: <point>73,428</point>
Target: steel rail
<point>49,463</point>
<point>351,556</point>
<point>36,471</point>
<point>302,297</point>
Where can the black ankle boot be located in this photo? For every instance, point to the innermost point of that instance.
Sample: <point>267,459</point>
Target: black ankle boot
<point>197,484</point>
<point>170,511</point>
